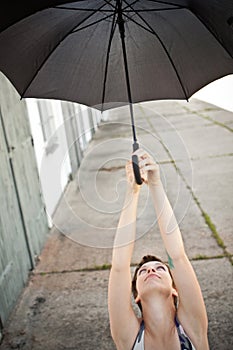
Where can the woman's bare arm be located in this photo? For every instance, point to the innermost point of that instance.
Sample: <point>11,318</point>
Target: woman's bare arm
<point>123,321</point>
<point>191,310</point>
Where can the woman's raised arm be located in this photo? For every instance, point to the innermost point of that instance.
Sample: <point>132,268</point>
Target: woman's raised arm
<point>191,310</point>
<point>123,321</point>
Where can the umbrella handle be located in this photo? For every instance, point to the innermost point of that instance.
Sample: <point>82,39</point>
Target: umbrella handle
<point>136,169</point>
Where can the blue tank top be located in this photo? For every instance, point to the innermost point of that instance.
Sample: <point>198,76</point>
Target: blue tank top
<point>185,342</point>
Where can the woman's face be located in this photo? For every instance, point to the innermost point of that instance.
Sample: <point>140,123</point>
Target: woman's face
<point>153,276</point>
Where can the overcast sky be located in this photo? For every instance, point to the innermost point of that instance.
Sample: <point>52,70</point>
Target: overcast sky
<point>219,93</point>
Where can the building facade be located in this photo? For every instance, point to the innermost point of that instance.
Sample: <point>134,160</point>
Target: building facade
<point>42,143</point>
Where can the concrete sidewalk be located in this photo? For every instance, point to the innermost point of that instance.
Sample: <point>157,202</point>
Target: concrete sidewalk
<point>64,305</point>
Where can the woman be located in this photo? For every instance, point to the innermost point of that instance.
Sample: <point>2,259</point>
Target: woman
<point>173,311</point>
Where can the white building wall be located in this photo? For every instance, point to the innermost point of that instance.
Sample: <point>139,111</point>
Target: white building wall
<point>54,168</point>
<point>52,155</point>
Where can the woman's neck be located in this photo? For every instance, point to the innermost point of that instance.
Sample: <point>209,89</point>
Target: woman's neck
<point>159,316</point>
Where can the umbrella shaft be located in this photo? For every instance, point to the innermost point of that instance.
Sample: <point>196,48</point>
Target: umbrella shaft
<point>121,26</point>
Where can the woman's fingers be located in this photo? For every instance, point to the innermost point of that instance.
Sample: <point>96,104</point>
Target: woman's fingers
<point>146,161</point>
<point>149,169</point>
<point>130,176</point>
<point>141,153</point>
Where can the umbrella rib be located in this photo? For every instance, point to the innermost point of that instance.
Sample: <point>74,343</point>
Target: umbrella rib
<point>156,10</point>
<point>91,24</point>
<point>139,24</point>
<point>107,57</point>
<point>50,53</point>
<point>125,9</point>
<point>98,21</point>
<point>174,7</point>
<point>151,30</point>
<point>110,11</point>
<point>79,9</point>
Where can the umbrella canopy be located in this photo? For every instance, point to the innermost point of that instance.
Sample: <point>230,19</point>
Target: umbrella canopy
<point>107,53</point>
<point>72,50</point>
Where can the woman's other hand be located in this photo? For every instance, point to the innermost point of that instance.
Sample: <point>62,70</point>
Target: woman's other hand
<point>149,169</point>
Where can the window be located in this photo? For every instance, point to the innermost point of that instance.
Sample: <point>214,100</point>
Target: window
<point>46,119</point>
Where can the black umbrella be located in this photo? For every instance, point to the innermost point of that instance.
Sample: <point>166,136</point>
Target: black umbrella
<point>103,53</point>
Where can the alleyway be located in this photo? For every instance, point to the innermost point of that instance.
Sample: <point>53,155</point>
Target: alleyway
<point>64,305</point>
